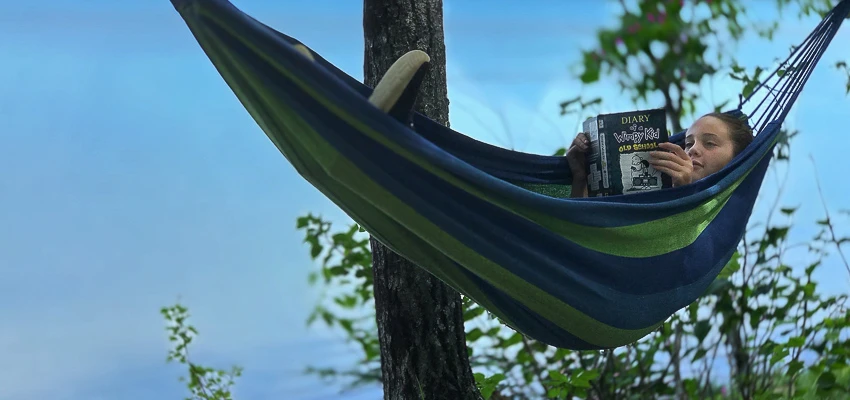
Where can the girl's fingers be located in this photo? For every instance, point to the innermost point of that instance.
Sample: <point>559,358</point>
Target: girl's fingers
<point>664,156</point>
<point>666,164</point>
<point>681,152</point>
<point>579,140</point>
<point>665,170</point>
<point>660,155</point>
<point>680,158</point>
<point>676,149</point>
<point>667,146</point>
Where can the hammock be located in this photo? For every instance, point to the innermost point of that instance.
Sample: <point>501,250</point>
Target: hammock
<point>495,224</point>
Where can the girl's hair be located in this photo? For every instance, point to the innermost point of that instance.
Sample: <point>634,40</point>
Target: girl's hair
<point>739,130</point>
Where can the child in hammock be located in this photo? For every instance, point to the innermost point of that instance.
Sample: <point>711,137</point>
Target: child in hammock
<point>710,143</point>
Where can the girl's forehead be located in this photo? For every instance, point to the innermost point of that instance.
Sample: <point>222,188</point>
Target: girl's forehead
<point>708,127</point>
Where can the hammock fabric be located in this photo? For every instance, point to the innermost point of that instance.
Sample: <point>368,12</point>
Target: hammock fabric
<point>495,224</point>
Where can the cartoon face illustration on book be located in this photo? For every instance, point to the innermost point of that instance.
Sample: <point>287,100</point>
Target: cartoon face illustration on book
<point>642,176</point>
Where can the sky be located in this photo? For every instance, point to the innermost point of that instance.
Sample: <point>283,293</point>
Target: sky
<point>132,177</point>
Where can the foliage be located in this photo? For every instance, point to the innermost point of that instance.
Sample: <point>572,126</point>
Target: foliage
<point>669,47</point>
<point>662,47</point>
<point>346,265</point>
<point>204,383</point>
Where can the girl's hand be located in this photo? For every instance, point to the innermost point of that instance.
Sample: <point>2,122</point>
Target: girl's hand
<point>676,163</point>
<point>576,154</point>
<point>576,157</point>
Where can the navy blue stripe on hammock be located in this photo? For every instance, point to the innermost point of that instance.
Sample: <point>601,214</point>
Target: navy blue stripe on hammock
<point>527,321</point>
<point>544,330</point>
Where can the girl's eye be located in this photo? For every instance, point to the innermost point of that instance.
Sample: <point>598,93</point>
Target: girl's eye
<point>688,145</point>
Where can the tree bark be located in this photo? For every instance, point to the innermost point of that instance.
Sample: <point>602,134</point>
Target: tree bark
<point>420,319</point>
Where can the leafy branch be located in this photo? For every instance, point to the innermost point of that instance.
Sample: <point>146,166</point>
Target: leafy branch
<point>204,383</point>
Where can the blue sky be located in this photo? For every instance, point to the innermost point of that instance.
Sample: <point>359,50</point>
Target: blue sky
<point>131,176</point>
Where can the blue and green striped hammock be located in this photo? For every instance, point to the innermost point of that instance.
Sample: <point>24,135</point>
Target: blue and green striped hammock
<point>496,224</point>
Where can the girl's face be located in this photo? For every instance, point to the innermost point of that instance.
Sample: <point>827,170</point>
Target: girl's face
<point>709,144</point>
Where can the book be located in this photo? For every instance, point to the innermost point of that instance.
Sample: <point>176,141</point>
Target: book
<point>619,152</point>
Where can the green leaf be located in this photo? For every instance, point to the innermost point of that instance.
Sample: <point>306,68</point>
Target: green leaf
<point>731,267</point>
<point>580,383</point>
<point>561,353</point>
<point>796,341</point>
<point>775,234</point>
<point>826,381</point>
<point>590,374</point>
<point>557,376</point>
<point>581,378</point>
<point>793,367</point>
<point>591,68</point>
<point>700,353</point>
<point>316,250</point>
<point>761,289</point>
<point>487,391</point>
<point>809,289</point>
<point>788,211</point>
<point>701,329</point>
<point>514,339</point>
<point>488,385</point>
<point>691,387</point>
<point>567,103</point>
<point>749,88</point>
<point>717,286</point>
<point>590,76</point>
<point>812,267</point>
<point>474,335</point>
<point>472,312</point>
<point>778,354</point>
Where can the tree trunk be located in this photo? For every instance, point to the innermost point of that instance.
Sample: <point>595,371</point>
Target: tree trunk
<point>420,319</point>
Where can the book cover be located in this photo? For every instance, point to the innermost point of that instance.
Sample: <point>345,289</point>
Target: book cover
<point>619,152</point>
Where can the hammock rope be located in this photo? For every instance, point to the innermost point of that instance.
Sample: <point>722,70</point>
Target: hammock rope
<point>806,56</point>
